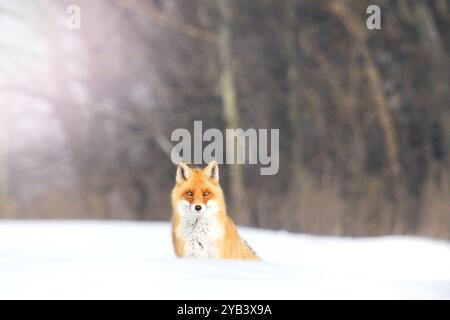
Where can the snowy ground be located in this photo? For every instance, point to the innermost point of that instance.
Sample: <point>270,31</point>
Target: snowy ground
<point>135,260</point>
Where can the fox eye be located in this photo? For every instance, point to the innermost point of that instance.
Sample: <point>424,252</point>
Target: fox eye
<point>189,193</point>
<point>206,193</point>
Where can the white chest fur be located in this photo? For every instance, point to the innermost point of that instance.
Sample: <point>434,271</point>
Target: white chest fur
<point>200,234</point>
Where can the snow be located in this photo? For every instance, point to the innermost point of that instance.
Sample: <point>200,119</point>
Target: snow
<point>135,260</point>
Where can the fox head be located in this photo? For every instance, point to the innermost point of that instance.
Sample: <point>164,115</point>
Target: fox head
<point>197,191</point>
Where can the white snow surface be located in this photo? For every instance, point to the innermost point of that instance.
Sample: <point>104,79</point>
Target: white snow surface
<point>135,260</point>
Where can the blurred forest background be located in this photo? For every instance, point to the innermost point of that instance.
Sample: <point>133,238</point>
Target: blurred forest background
<point>364,115</point>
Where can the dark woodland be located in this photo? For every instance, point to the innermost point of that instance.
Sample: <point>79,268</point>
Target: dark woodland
<point>364,115</point>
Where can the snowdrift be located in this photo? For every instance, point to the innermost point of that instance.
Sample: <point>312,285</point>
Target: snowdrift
<point>123,260</point>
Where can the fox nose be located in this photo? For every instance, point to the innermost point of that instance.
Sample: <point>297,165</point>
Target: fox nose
<point>198,208</point>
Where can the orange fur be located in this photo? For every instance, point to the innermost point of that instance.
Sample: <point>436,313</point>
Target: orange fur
<point>230,245</point>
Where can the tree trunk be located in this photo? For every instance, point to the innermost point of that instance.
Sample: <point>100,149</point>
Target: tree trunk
<point>358,31</point>
<point>230,110</point>
<point>290,40</point>
<point>384,116</point>
<point>427,27</point>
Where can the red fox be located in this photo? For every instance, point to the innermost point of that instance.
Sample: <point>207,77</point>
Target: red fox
<point>201,227</point>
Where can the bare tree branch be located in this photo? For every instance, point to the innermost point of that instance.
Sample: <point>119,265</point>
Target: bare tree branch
<point>164,21</point>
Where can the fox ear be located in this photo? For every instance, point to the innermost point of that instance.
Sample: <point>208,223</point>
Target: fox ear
<point>183,172</point>
<point>211,171</point>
